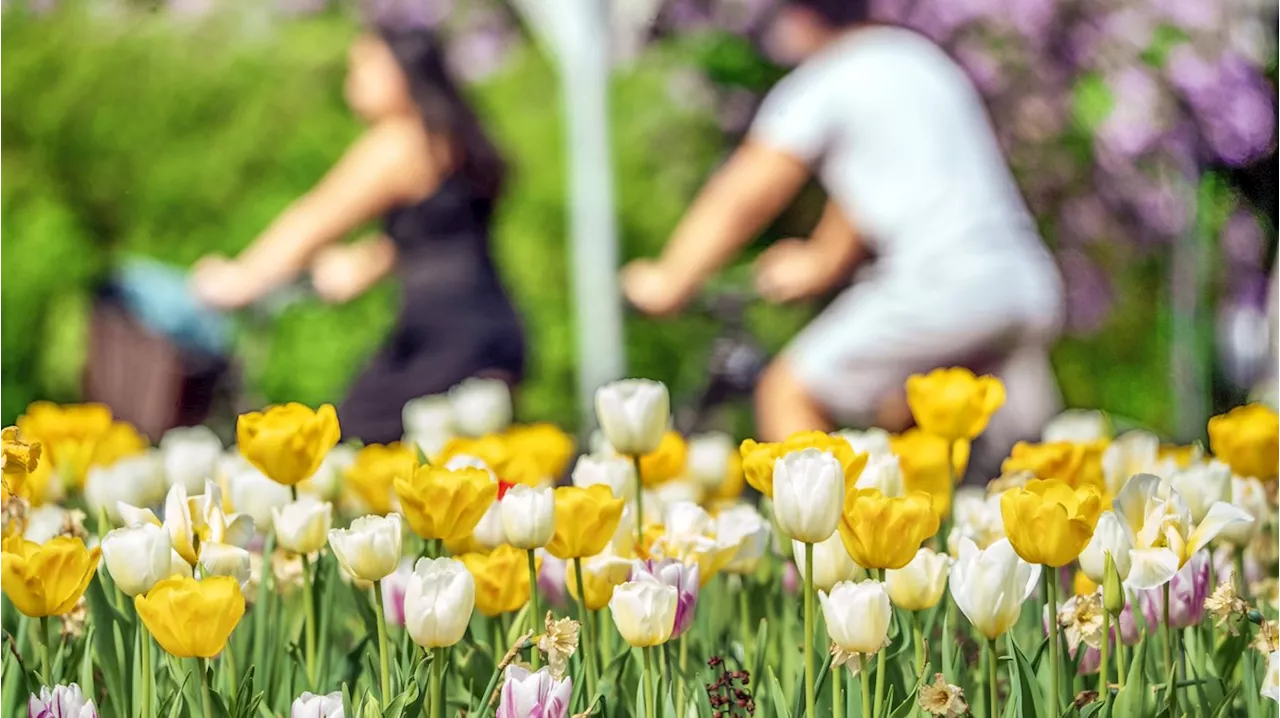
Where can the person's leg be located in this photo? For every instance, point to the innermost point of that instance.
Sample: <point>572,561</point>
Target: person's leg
<point>784,406</point>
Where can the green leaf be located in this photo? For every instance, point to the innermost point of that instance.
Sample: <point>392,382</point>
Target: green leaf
<point>1135,700</point>
<point>761,646</point>
<point>103,617</point>
<point>777,699</point>
<point>1091,101</point>
<point>907,707</point>
<point>1027,701</point>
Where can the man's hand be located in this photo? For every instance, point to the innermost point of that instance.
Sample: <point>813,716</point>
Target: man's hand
<point>791,269</point>
<point>653,288</point>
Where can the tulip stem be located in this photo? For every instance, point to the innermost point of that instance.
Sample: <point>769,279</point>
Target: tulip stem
<point>534,617</point>
<point>1104,665</point>
<point>865,677</point>
<point>880,671</point>
<point>837,693</point>
<point>680,684</point>
<point>309,607</point>
<point>917,642</point>
<point>1237,568</point>
<point>650,695</point>
<point>1055,654</point>
<point>206,698</point>
<point>635,459</point>
<point>744,623</point>
<point>810,684</point>
<point>437,682</point>
<point>46,660</point>
<point>1170,669</point>
<point>588,647</point>
<point>384,669</point>
<point>1122,658</point>
<point>994,706</point>
<point>148,675</point>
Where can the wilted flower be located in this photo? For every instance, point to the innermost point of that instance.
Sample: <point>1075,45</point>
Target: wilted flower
<point>1081,617</point>
<point>1224,605</point>
<point>942,699</point>
<point>559,642</point>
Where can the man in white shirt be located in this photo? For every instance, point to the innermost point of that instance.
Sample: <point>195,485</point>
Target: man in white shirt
<point>900,140</point>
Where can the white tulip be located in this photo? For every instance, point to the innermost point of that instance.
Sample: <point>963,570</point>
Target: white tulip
<point>1134,452</point>
<point>256,496</point>
<point>1250,496</point>
<point>686,518</point>
<point>539,693</point>
<point>623,542</point>
<point>857,615</point>
<point>873,442</point>
<point>1202,485</point>
<point>831,563</point>
<point>882,473</point>
<point>633,414</point>
<point>138,558</point>
<point>616,472</point>
<point>311,705</point>
<point>190,456</point>
<point>61,701</point>
<point>528,516</point>
<point>977,518</point>
<point>710,458</point>
<point>178,565</point>
<point>1271,681</point>
<point>370,549</point>
<point>1109,536</point>
<point>428,415</point>
<point>327,480</point>
<point>920,584</point>
<point>644,611</point>
<point>1079,426</point>
<point>741,524</point>
<point>438,602</point>
<point>220,559</point>
<point>45,522</point>
<point>673,492</point>
<point>989,586</point>
<point>136,480</point>
<point>489,531</point>
<point>480,406</point>
<point>808,495</point>
<point>302,526</point>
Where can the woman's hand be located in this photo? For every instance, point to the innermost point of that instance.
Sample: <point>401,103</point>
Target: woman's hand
<point>654,288</point>
<point>337,275</point>
<point>792,269</point>
<point>223,283</point>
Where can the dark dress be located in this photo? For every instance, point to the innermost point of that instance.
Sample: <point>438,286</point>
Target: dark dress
<point>455,319</point>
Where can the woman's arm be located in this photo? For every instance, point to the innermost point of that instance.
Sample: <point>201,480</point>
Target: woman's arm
<point>795,268</point>
<point>342,272</point>
<point>388,165</point>
<point>743,196</point>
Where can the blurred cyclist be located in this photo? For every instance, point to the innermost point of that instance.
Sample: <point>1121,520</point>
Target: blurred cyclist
<point>427,168</point>
<point>901,142</point>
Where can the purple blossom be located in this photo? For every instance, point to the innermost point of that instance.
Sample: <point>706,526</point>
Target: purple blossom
<point>551,580</point>
<point>61,702</point>
<point>393,590</point>
<point>1187,591</point>
<point>684,577</point>
<point>1133,125</point>
<point>1198,15</point>
<point>534,695</point>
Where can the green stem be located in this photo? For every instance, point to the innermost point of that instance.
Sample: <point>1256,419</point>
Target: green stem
<point>206,698</point>
<point>650,695</point>
<point>810,685</point>
<point>534,617</point>
<point>917,642</point>
<point>880,671</point>
<point>437,683</point>
<point>384,663</point>
<point>744,623</point>
<point>46,651</point>
<point>1169,666</point>
<point>1237,564</point>
<point>603,638</point>
<point>992,689</point>
<point>684,666</point>
<point>1104,665</point>
<point>1055,653</point>
<point>233,676</point>
<point>1122,660</point>
<point>837,692</point>
<point>639,502</point>
<point>309,607</point>
<point>865,677</point>
<point>584,616</point>
<point>148,674</point>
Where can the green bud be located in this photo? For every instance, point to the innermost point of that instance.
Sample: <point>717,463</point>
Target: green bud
<point>1112,591</point>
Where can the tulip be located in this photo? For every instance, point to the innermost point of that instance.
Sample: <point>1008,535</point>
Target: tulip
<point>759,460</point>
<point>311,705</point>
<point>327,480</point>
<point>595,515</point>
<point>1080,426</point>
<point>438,602</point>
<point>931,464</point>
<point>857,616</point>
<point>1202,485</point>
<point>190,456</point>
<point>134,480</point>
<point>873,442</point>
<point>1271,681</point>
<point>881,532</point>
<point>808,488</point>
<point>954,403</point>
<point>1187,591</point>
<point>666,462</point>
<point>683,577</point>
<point>977,518</point>
<point>190,618</point>
<point>552,577</point>
<point>633,415</point>
<point>600,574</point>
<point>220,559</point>
<point>446,504</point>
<point>990,585</point>
<point>831,563</point>
<point>303,526</point>
<point>489,532</point>
<point>616,472</point>
<point>742,526</point>
<point>1109,536</point>
<point>138,558</point>
<point>1250,496</point>
<point>920,584</point>
<point>372,475</point>
<point>287,443</point>
<point>428,414</point>
<point>394,587</point>
<point>1247,438</point>
<point>547,445</point>
<point>257,496</point>
<point>526,695</point>
<point>480,406</point>
<point>61,702</point>
<point>1134,452</point>
<point>47,580</point>
<point>370,549</point>
<point>1049,523</point>
<point>501,580</point>
<point>710,459</point>
<point>883,474</point>
<point>705,552</point>
<point>529,516</point>
<point>1076,464</point>
<point>76,437</point>
<point>644,611</point>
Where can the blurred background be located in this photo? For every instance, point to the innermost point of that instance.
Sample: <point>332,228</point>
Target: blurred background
<point>1143,135</point>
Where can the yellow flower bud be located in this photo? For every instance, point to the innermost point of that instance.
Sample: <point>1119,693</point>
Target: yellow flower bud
<point>882,532</point>
<point>502,579</point>
<point>46,580</point>
<point>190,618</point>
<point>287,443</point>
<point>953,403</point>
<point>1247,438</point>
<point>1048,522</point>
<point>586,519</point>
<point>372,475</point>
<point>443,503</point>
<point>758,458</point>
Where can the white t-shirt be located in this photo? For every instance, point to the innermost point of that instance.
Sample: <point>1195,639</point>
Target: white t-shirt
<point>901,141</point>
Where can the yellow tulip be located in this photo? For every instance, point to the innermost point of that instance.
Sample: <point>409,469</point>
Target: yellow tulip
<point>1182,456</point>
<point>601,574</point>
<point>502,579</point>
<point>883,532</point>
<point>47,580</point>
<point>190,618</point>
<point>1248,439</point>
<point>18,459</point>
<point>1076,464</point>
<point>445,504</point>
<point>590,518</point>
<point>1048,522</point>
<point>923,460</point>
<point>551,448</point>
<point>491,449</point>
<point>76,437</point>
<point>1082,585</point>
<point>758,458</point>
<point>953,403</point>
<point>666,462</point>
<point>287,443</point>
<point>731,487</point>
<point>372,475</point>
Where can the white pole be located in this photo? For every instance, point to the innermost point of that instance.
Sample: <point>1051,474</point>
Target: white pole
<point>578,32</point>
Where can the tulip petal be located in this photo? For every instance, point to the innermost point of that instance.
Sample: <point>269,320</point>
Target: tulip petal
<point>1151,567</point>
<point>1220,515</point>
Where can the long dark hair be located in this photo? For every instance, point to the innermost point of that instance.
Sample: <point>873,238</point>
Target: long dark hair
<point>444,110</point>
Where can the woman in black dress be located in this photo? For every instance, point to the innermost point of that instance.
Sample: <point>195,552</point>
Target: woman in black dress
<point>427,167</point>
